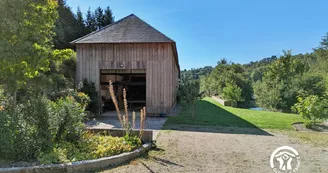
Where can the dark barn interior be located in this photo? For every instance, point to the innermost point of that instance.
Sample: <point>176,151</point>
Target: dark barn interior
<point>134,81</point>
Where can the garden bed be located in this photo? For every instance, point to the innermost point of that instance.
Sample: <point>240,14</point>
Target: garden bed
<point>81,166</point>
<point>95,144</point>
<point>118,132</point>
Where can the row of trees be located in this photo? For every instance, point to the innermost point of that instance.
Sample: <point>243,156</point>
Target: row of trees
<point>70,26</point>
<point>286,83</point>
<point>284,80</point>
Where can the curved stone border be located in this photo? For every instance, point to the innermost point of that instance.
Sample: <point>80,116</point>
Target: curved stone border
<point>82,166</point>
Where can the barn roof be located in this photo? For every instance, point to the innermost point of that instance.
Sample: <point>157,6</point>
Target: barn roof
<point>130,29</point>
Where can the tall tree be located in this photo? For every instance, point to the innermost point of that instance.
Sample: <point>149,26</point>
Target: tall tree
<point>282,83</point>
<point>79,16</point>
<point>90,21</point>
<point>324,41</point>
<point>99,16</point>
<point>68,26</point>
<point>108,17</point>
<point>26,40</point>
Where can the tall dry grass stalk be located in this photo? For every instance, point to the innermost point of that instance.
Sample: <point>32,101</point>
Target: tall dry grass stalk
<point>125,108</point>
<point>124,120</point>
<point>142,121</point>
<point>141,124</point>
<point>144,111</point>
<point>133,120</point>
<point>112,95</point>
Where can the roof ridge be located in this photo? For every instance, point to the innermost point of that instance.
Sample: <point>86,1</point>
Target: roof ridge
<point>146,29</point>
<point>74,41</point>
<point>152,27</point>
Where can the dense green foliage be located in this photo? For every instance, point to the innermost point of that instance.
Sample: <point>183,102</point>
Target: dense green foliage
<point>41,113</point>
<point>29,127</point>
<point>189,92</point>
<point>232,92</point>
<point>90,89</point>
<point>228,80</point>
<point>211,113</point>
<point>70,26</point>
<point>312,107</point>
<point>25,45</point>
<point>89,147</point>
<point>287,78</point>
<point>195,74</point>
<point>272,83</point>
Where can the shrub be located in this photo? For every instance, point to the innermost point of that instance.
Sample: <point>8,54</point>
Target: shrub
<point>53,131</point>
<point>31,128</point>
<point>82,98</point>
<point>189,91</point>
<point>90,146</point>
<point>56,155</point>
<point>90,89</point>
<point>68,116</point>
<point>312,107</point>
<point>232,93</point>
<point>25,129</point>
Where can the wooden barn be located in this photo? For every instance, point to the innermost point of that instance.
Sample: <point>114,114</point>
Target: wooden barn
<point>135,56</point>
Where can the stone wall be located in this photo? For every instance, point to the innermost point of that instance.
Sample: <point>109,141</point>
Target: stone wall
<point>224,102</point>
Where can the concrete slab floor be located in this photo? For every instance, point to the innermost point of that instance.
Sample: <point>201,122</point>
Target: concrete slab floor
<point>151,123</point>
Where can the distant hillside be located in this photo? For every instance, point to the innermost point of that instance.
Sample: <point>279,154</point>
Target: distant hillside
<point>195,73</point>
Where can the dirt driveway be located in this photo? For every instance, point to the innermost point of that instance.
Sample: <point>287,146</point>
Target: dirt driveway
<point>205,150</point>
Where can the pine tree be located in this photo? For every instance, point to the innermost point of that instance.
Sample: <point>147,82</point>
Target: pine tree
<point>79,16</point>
<point>99,16</point>
<point>108,17</point>
<point>81,23</point>
<point>68,26</point>
<point>90,21</point>
<point>324,41</point>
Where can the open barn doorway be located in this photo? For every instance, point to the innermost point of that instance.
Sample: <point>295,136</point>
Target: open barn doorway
<point>134,81</point>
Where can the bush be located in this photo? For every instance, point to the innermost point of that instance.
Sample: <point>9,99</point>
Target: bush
<point>68,116</point>
<point>312,107</point>
<point>30,128</point>
<point>53,131</point>
<point>189,91</point>
<point>90,146</point>
<point>90,89</point>
<point>80,97</point>
<point>25,128</point>
<point>57,155</point>
<point>232,93</point>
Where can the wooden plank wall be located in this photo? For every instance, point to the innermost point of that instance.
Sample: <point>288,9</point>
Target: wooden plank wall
<point>156,58</point>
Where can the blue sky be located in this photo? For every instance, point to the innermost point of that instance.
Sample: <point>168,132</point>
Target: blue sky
<point>238,30</point>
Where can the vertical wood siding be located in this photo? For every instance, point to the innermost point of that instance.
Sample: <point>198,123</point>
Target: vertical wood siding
<point>157,58</point>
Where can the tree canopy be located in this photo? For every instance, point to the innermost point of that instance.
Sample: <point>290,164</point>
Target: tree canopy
<point>273,83</point>
<point>26,35</point>
<point>70,26</point>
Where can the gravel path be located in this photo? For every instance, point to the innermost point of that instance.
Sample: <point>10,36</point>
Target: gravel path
<point>192,151</point>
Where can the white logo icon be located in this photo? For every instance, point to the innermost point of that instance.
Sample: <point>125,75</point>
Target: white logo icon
<point>285,160</point>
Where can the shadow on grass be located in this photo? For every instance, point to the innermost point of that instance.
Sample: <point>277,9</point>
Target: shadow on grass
<point>212,118</point>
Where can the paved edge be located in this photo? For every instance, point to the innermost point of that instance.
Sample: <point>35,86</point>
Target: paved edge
<point>82,166</point>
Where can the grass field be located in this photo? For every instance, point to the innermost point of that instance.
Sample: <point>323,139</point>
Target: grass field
<point>208,112</point>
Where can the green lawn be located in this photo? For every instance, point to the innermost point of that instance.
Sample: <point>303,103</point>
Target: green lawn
<point>208,112</point>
